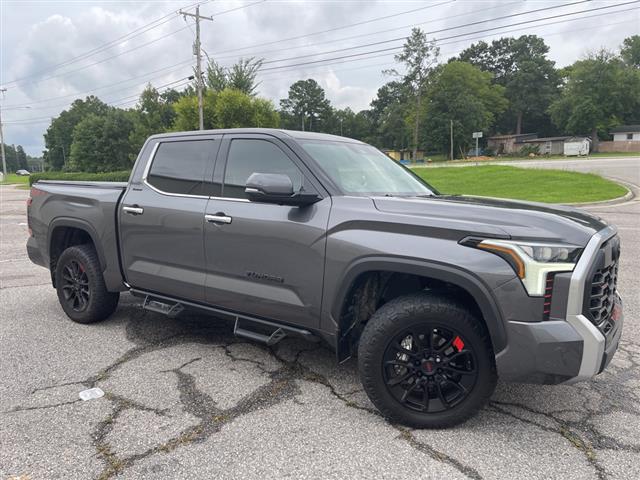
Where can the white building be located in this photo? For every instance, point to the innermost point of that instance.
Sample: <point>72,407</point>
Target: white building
<point>626,133</point>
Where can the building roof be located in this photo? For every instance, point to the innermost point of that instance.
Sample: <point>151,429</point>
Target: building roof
<point>546,139</point>
<point>626,129</point>
<point>512,135</point>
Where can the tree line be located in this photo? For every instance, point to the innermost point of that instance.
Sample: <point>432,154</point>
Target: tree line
<point>16,158</point>
<point>506,86</point>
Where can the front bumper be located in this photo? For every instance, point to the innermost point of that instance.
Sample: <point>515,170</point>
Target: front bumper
<point>564,351</point>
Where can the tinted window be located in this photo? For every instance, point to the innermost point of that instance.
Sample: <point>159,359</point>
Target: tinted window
<point>256,156</point>
<point>179,167</point>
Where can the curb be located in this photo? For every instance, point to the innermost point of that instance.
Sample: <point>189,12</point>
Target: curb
<point>633,191</point>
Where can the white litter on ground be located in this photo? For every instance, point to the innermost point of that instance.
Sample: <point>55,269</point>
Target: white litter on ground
<point>91,394</point>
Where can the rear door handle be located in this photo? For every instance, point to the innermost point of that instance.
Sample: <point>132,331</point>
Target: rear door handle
<point>135,210</point>
<point>217,218</point>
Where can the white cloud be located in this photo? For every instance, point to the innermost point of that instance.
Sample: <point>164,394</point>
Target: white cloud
<point>35,39</point>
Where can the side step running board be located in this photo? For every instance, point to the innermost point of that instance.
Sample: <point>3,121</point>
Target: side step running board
<point>170,310</point>
<point>277,335</point>
<point>255,329</point>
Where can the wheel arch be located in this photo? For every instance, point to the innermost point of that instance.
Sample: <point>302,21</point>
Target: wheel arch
<point>470,289</point>
<point>65,232</point>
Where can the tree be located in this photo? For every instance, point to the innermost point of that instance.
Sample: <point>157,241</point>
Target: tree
<point>521,66</point>
<point>187,112</point>
<point>228,108</point>
<point>240,76</point>
<point>600,92</point>
<point>466,96</point>
<point>233,109</point>
<point>59,135</point>
<point>152,115</point>
<point>265,114</point>
<point>305,105</point>
<point>387,116</point>
<point>630,51</point>
<point>419,57</point>
<point>21,158</point>
<point>101,143</point>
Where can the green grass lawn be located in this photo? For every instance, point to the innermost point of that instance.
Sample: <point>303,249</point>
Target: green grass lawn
<point>550,186</point>
<point>12,178</point>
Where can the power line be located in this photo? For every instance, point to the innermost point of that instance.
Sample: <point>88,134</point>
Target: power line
<point>397,39</point>
<point>106,46</point>
<point>167,86</point>
<point>385,17</point>
<point>436,40</point>
<point>16,82</point>
<point>342,39</point>
<point>87,92</point>
<point>365,53</point>
<point>282,67</point>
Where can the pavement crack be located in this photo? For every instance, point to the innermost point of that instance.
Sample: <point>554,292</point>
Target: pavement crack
<point>407,435</point>
<point>41,407</point>
<point>564,430</point>
<point>58,385</point>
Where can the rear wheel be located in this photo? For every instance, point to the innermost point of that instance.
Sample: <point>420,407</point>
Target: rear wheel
<point>426,361</point>
<point>80,286</point>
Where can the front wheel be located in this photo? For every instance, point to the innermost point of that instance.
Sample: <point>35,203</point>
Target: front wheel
<point>80,286</point>
<point>426,362</point>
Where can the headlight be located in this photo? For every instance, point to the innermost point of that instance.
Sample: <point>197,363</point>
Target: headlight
<point>531,261</point>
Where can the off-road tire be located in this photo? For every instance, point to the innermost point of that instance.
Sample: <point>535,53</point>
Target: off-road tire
<point>101,303</point>
<point>434,309</point>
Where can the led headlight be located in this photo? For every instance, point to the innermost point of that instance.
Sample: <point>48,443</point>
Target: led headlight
<point>530,260</point>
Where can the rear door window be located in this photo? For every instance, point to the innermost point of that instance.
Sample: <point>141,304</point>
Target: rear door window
<point>179,167</point>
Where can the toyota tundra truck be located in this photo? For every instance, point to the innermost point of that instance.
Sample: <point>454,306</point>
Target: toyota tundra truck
<point>300,234</point>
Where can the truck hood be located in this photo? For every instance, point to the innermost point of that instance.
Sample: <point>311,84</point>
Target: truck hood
<point>516,219</point>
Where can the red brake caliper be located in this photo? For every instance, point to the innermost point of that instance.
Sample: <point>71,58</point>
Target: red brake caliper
<point>458,343</point>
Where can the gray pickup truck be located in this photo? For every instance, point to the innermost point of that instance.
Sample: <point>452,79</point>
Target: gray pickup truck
<point>326,238</point>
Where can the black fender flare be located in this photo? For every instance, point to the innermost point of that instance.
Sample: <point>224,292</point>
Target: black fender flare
<point>464,279</point>
<point>80,225</point>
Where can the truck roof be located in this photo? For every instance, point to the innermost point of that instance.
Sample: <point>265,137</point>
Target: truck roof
<point>277,132</point>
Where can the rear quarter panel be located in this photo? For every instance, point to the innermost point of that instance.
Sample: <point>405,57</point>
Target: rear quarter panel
<point>90,206</point>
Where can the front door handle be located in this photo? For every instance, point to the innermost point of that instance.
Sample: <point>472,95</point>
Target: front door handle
<point>134,210</point>
<point>217,218</point>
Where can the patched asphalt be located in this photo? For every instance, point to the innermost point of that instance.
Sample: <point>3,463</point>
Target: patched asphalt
<point>185,399</point>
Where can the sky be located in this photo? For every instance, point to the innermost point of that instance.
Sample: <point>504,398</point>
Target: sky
<point>52,52</point>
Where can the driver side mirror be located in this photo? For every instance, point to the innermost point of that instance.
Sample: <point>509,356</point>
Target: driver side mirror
<point>276,188</point>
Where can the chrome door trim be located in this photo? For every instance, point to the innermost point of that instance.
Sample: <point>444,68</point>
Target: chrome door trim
<point>133,210</point>
<point>218,219</point>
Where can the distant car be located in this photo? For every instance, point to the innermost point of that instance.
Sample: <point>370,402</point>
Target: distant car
<point>23,173</point>
<point>472,152</point>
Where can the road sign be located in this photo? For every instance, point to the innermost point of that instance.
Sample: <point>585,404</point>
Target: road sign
<point>477,135</point>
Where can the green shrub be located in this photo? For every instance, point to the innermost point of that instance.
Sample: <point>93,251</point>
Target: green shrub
<point>120,176</point>
<point>530,149</point>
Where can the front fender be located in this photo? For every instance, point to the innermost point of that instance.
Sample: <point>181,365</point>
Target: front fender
<point>464,279</point>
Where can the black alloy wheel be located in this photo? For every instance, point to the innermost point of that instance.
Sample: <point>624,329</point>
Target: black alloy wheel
<point>426,360</point>
<point>81,288</point>
<point>429,369</point>
<point>75,287</point>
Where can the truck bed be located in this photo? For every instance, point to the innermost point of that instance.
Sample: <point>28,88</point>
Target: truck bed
<point>57,207</point>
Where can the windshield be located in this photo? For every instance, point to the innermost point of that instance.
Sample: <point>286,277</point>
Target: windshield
<point>359,169</point>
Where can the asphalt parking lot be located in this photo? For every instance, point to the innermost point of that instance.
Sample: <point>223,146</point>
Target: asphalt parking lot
<point>185,399</point>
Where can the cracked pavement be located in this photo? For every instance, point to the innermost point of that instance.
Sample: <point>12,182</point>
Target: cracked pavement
<point>186,399</point>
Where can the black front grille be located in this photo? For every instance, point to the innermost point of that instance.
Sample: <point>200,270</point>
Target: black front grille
<point>601,292</point>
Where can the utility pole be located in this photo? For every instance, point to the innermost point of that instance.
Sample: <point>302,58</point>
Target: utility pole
<point>197,51</point>
<point>451,140</point>
<point>4,160</point>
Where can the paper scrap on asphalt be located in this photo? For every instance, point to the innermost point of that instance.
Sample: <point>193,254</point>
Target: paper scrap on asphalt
<point>91,394</point>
